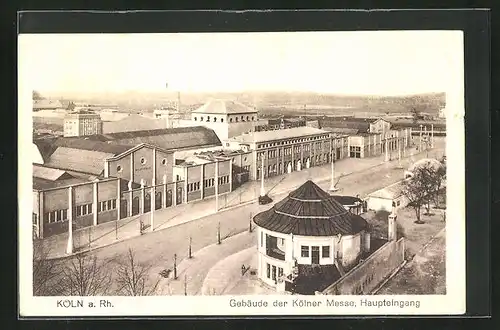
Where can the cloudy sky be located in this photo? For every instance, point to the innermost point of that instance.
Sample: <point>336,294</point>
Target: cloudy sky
<point>390,63</point>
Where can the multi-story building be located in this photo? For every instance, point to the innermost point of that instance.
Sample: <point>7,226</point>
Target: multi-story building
<point>110,177</point>
<point>287,150</point>
<point>82,123</point>
<point>226,118</point>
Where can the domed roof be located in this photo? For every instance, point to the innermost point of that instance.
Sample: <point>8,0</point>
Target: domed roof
<point>310,211</point>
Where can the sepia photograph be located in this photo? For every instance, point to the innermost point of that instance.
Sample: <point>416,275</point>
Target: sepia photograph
<point>257,173</point>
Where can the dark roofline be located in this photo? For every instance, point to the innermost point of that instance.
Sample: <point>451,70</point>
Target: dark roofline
<point>151,132</point>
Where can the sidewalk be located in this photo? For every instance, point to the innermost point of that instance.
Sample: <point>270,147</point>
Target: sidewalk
<point>191,273</point>
<point>115,231</point>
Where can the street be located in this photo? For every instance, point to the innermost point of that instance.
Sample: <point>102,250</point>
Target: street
<point>159,247</point>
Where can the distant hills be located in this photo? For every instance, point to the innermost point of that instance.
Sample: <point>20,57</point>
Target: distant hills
<point>269,102</point>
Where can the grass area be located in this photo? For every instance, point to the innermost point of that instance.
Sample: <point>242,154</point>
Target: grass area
<point>416,235</point>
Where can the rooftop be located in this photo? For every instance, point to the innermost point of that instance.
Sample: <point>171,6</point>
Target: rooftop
<point>310,211</point>
<point>166,138</point>
<point>281,134</point>
<point>390,192</point>
<point>217,106</point>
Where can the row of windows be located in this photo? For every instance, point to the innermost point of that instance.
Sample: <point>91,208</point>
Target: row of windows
<point>224,179</point>
<point>271,272</point>
<point>214,119</point>
<point>107,205</point>
<point>56,216</point>
<point>193,186</point>
<point>273,144</point>
<point>305,251</point>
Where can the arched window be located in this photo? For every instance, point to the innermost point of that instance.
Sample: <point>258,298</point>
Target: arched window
<point>242,118</point>
<point>230,120</point>
<point>222,120</point>
<point>201,118</point>
<point>195,118</point>
<point>252,118</point>
<point>215,119</point>
<point>247,118</point>
<point>236,119</point>
<point>208,118</point>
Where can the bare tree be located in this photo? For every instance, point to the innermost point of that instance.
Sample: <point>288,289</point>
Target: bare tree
<point>132,277</point>
<point>45,271</point>
<point>84,275</point>
<point>415,191</point>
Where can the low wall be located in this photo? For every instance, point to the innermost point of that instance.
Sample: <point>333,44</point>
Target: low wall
<point>365,277</point>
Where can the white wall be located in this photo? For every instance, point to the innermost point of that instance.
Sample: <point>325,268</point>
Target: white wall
<point>37,156</point>
<point>379,204</point>
<point>351,249</point>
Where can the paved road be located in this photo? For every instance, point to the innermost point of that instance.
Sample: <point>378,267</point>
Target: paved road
<point>158,248</point>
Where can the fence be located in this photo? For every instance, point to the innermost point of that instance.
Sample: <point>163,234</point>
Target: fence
<point>366,276</point>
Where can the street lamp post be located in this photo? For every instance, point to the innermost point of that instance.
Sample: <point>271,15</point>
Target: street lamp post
<point>216,185</point>
<point>333,188</point>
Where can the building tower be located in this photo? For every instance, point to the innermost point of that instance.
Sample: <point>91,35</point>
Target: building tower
<point>82,123</point>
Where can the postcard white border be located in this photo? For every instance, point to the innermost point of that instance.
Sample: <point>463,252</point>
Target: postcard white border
<point>451,303</point>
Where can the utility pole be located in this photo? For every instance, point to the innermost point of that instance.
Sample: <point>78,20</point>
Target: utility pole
<point>216,185</point>
<point>420,142</point>
<point>175,266</point>
<point>262,189</point>
<point>185,284</point>
<point>432,136</point>
<point>69,247</point>
<point>398,141</point>
<point>218,233</point>
<point>333,188</point>
<point>189,251</point>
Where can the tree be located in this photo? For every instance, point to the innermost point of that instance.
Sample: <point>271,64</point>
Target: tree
<point>415,191</point>
<point>84,275</point>
<point>37,96</point>
<point>132,277</point>
<point>45,271</point>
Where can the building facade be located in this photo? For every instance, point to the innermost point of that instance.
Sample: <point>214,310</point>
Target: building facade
<point>82,123</point>
<point>226,118</point>
<point>307,234</point>
<point>288,150</point>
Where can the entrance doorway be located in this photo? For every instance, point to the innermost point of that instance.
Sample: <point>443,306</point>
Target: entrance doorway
<point>315,255</point>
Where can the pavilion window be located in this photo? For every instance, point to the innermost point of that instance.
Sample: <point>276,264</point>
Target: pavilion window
<point>325,251</point>
<point>304,251</point>
<point>268,266</point>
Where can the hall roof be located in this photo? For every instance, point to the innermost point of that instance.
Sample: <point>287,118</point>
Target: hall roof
<point>310,211</point>
<point>219,107</point>
<point>280,134</point>
<point>167,138</point>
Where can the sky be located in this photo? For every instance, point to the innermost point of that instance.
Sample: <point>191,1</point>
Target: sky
<point>382,63</point>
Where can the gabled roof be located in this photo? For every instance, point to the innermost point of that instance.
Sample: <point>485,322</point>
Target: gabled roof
<point>310,211</point>
<point>390,192</point>
<point>287,133</point>
<point>216,106</point>
<point>42,184</point>
<point>50,174</point>
<point>132,123</point>
<point>80,160</point>
<point>168,138</point>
